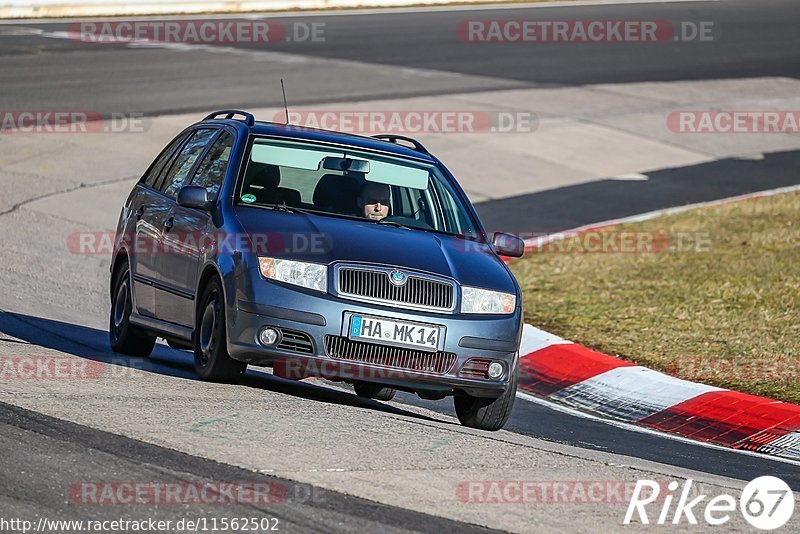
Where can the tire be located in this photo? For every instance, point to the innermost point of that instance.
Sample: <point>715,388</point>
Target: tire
<point>486,413</point>
<point>211,359</point>
<point>124,337</point>
<point>373,391</point>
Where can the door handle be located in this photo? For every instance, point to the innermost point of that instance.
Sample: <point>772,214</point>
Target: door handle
<point>169,223</point>
<point>139,213</point>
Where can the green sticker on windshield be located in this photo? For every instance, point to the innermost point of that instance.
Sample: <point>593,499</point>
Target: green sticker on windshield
<point>248,198</point>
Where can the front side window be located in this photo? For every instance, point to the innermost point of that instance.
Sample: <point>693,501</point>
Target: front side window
<point>174,178</point>
<point>353,183</point>
<point>211,172</point>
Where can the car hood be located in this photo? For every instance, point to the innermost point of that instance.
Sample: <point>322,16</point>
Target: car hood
<point>323,239</point>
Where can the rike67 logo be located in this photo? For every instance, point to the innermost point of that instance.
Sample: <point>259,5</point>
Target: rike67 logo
<point>766,503</point>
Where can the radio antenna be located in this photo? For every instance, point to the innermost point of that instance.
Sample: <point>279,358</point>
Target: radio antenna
<point>285,105</point>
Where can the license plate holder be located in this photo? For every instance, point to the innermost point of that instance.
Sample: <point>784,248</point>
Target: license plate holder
<point>396,332</point>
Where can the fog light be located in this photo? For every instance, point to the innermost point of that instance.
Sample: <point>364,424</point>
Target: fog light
<point>269,336</point>
<point>495,370</point>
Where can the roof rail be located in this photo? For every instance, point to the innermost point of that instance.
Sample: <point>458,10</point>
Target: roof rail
<point>229,114</point>
<point>393,138</point>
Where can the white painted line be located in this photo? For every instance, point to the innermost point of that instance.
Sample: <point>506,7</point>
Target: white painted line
<point>646,430</point>
<point>630,393</point>
<point>534,340</point>
<point>285,58</point>
<point>345,11</point>
<point>631,177</point>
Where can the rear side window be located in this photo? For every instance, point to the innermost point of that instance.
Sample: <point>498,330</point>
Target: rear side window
<point>211,172</point>
<point>180,168</point>
<point>161,161</point>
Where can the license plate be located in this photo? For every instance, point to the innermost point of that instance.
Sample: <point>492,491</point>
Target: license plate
<point>391,332</point>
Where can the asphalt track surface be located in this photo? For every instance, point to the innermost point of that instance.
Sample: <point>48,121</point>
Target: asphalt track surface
<point>528,418</point>
<point>755,39</point>
<point>40,452</point>
<point>573,206</point>
<point>50,72</point>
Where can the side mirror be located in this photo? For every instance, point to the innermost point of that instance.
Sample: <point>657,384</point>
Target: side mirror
<point>194,196</point>
<point>508,245</point>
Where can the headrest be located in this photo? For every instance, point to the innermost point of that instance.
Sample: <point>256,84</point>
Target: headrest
<point>263,175</point>
<point>338,193</point>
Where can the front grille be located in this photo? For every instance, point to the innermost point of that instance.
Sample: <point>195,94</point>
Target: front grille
<point>417,291</point>
<point>296,341</point>
<point>395,357</point>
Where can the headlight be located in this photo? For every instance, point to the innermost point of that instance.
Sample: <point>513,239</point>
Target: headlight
<point>474,300</point>
<point>299,273</point>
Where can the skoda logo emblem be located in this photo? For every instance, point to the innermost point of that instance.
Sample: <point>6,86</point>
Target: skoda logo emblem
<point>398,278</point>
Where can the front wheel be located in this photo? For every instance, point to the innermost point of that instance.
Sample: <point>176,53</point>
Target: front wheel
<point>373,391</point>
<point>211,359</point>
<point>486,413</point>
<point>124,337</point>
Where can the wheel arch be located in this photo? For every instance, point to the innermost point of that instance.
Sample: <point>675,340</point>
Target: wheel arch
<point>210,270</point>
<point>120,258</point>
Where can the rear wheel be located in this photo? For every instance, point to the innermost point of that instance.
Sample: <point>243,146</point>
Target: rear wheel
<point>373,391</point>
<point>124,337</point>
<point>211,358</point>
<point>486,413</point>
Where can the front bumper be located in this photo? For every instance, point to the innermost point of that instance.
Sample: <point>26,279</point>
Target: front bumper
<point>491,337</point>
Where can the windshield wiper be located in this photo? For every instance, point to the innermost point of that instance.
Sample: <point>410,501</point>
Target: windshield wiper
<point>293,209</point>
<point>394,223</point>
<point>284,207</point>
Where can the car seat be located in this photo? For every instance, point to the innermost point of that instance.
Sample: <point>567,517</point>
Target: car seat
<point>263,182</point>
<point>338,194</point>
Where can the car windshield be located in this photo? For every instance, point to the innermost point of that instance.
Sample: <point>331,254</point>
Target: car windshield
<point>352,183</point>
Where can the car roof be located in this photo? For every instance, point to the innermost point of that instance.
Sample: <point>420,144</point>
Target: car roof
<point>290,131</point>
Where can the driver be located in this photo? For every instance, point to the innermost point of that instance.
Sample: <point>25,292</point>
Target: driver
<point>374,201</point>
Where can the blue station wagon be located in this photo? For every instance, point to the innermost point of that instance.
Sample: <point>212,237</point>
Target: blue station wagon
<point>318,253</point>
